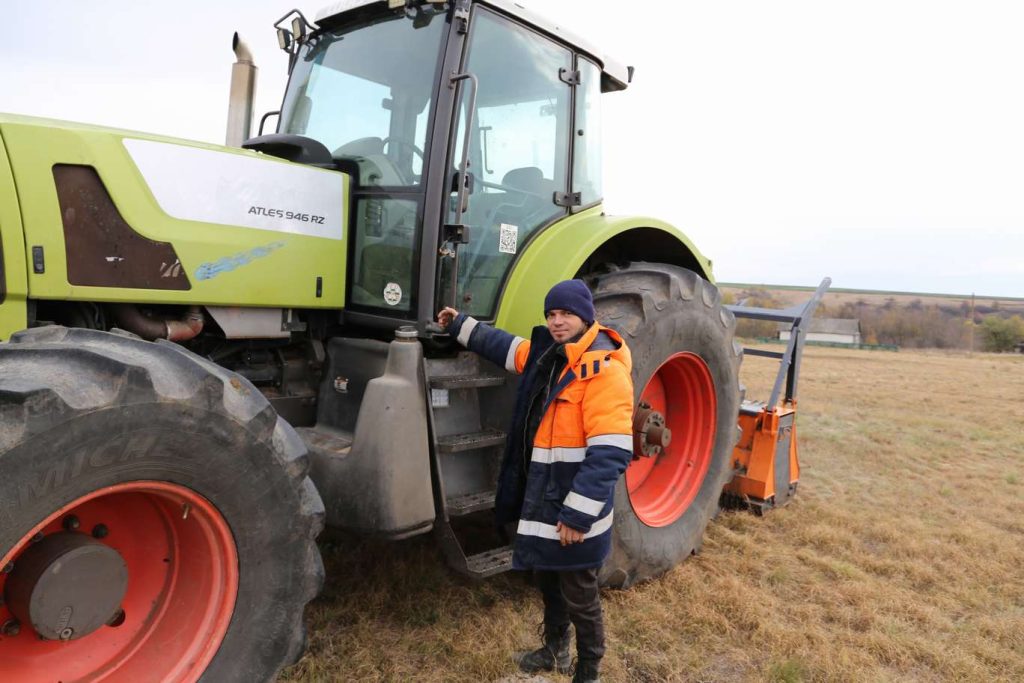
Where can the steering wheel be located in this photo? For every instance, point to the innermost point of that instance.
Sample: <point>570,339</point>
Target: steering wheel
<point>408,145</point>
<point>403,143</point>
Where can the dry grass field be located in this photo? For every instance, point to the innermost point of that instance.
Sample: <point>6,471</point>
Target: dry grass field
<point>900,559</point>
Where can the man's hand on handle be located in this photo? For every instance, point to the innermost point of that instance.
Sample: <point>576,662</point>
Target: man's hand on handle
<point>446,316</point>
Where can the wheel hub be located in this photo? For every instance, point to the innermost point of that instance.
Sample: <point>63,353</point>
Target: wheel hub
<point>650,435</point>
<point>66,586</point>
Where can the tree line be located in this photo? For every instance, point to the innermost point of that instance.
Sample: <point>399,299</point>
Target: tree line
<point>915,324</point>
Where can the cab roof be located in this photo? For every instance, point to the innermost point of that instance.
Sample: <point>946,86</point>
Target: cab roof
<point>615,75</point>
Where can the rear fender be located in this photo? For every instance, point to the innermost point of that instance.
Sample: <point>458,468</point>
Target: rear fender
<point>580,243</point>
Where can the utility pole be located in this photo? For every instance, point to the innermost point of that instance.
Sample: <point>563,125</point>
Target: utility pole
<point>971,352</point>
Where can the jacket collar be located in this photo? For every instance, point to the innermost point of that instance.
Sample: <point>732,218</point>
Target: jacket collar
<point>574,351</point>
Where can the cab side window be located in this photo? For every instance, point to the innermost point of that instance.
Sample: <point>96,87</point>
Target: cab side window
<point>586,159</point>
<point>518,154</point>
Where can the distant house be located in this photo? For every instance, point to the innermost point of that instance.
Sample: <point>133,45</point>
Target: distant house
<point>834,330</point>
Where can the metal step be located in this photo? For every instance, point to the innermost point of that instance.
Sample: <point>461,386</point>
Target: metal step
<point>489,562</point>
<point>456,443</point>
<point>474,502</point>
<point>477,566</point>
<point>466,381</point>
<point>329,442</point>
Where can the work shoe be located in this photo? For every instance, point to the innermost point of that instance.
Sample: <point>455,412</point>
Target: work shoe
<point>587,671</point>
<point>553,655</point>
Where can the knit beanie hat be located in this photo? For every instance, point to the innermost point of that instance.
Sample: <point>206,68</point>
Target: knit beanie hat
<point>573,296</point>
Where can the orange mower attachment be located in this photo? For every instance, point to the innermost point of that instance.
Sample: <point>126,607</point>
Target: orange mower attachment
<point>765,457</point>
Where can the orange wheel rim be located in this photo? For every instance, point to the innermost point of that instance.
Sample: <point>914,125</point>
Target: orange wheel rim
<point>661,488</point>
<point>182,584</point>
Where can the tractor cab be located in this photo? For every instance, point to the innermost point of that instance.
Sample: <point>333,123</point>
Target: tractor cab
<point>467,127</point>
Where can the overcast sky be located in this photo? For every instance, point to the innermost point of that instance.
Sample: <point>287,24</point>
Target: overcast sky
<point>880,142</point>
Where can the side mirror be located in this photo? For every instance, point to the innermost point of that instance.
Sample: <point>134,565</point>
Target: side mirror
<point>298,28</point>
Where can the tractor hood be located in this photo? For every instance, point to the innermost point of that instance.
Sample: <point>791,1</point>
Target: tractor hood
<point>113,215</point>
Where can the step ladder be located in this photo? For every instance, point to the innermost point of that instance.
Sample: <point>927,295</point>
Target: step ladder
<point>466,448</point>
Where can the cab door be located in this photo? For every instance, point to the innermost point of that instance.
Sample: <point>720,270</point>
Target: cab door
<point>520,137</point>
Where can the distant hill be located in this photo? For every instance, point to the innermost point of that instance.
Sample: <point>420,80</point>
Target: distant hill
<point>792,295</point>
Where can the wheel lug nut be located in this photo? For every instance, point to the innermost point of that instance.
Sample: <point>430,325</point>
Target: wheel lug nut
<point>71,523</point>
<point>10,628</point>
<point>100,531</point>
<point>67,633</point>
<point>38,537</point>
<point>117,619</point>
<point>9,568</point>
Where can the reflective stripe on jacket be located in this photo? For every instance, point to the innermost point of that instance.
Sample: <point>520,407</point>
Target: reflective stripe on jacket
<point>582,446</point>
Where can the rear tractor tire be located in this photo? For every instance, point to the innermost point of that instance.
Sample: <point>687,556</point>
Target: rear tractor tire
<point>156,520</point>
<point>685,372</point>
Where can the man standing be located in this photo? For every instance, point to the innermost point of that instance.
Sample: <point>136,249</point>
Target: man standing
<point>570,440</point>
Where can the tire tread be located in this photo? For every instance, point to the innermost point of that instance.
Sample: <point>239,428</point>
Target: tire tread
<point>50,375</point>
<point>628,299</point>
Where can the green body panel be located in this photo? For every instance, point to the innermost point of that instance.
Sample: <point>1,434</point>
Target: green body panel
<point>286,277</point>
<point>283,278</point>
<point>558,253</point>
<point>13,312</point>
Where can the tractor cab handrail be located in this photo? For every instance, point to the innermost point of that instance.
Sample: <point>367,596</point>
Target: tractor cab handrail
<point>461,197</point>
<point>789,361</point>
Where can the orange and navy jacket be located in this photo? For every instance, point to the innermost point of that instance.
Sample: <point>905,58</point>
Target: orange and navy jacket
<point>582,446</point>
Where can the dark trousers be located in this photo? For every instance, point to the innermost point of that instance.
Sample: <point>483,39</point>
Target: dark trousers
<point>573,597</point>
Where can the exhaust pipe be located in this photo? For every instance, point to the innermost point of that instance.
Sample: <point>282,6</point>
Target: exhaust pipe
<point>243,92</point>
<point>129,317</point>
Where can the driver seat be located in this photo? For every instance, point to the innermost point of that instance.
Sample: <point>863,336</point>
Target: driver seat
<point>374,166</point>
<point>527,178</point>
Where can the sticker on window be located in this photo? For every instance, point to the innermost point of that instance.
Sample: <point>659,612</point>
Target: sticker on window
<point>508,238</point>
<point>392,294</point>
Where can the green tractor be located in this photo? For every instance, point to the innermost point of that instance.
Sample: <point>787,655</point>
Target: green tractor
<point>211,352</point>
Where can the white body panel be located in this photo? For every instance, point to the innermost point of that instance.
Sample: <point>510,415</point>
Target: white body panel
<point>195,184</point>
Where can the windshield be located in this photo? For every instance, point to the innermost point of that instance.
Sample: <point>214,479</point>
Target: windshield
<point>364,91</point>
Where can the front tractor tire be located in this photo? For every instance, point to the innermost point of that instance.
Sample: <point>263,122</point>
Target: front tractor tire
<point>685,373</point>
<point>156,520</point>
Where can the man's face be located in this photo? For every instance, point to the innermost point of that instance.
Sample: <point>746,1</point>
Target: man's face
<point>564,325</point>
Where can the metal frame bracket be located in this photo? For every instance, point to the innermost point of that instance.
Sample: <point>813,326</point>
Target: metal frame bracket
<point>789,361</point>
<point>290,323</point>
<point>460,16</point>
<point>568,198</point>
<point>568,76</point>
<point>455,233</point>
